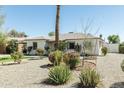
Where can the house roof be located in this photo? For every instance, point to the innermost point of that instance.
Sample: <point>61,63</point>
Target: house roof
<point>38,38</point>
<point>19,39</point>
<point>66,36</point>
<point>74,36</point>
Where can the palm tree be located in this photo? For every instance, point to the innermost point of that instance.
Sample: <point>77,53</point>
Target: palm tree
<point>2,34</point>
<point>57,27</point>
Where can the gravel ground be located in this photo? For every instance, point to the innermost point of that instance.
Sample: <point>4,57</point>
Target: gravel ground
<point>110,70</point>
<point>32,73</point>
<point>28,74</point>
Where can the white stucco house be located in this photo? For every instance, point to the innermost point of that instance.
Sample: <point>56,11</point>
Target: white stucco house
<point>72,38</point>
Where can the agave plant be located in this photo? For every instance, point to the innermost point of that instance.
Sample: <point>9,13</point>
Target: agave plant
<point>89,78</point>
<point>122,65</point>
<point>59,75</point>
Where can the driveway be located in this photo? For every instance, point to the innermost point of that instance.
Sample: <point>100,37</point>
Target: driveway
<point>110,70</point>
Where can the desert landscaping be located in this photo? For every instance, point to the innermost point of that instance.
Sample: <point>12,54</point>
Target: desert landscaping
<point>33,73</point>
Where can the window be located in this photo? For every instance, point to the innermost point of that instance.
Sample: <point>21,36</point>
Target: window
<point>71,45</point>
<point>34,45</point>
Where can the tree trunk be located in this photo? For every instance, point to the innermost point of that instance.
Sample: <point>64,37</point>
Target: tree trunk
<point>57,27</point>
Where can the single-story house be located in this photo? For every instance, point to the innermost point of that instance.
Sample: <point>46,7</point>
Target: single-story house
<point>71,38</point>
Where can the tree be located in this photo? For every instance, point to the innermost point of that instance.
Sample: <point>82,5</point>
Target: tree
<point>57,27</point>
<point>89,45</point>
<point>109,39</point>
<point>12,46</point>
<point>114,39</point>
<point>51,33</point>
<point>3,40</point>
<point>22,34</point>
<point>14,33</point>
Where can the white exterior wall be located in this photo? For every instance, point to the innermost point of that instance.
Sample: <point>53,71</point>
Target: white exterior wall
<point>40,44</point>
<point>95,43</point>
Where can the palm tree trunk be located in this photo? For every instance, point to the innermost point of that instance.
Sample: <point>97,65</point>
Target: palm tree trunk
<point>57,27</point>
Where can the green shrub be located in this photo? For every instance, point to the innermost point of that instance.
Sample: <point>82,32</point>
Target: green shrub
<point>121,49</point>
<point>71,59</point>
<point>12,46</point>
<point>122,65</point>
<point>17,56</point>
<point>62,45</point>
<point>104,50</point>
<point>59,75</point>
<point>89,78</point>
<point>56,57</point>
<point>40,52</point>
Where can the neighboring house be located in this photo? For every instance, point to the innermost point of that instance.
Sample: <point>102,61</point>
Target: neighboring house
<point>72,38</point>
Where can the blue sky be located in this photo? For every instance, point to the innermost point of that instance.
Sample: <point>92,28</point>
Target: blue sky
<point>40,20</point>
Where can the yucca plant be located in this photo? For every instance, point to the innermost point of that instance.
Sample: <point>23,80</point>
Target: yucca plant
<point>59,75</point>
<point>89,78</point>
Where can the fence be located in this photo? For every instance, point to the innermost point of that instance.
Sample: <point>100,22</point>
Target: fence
<point>113,48</point>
